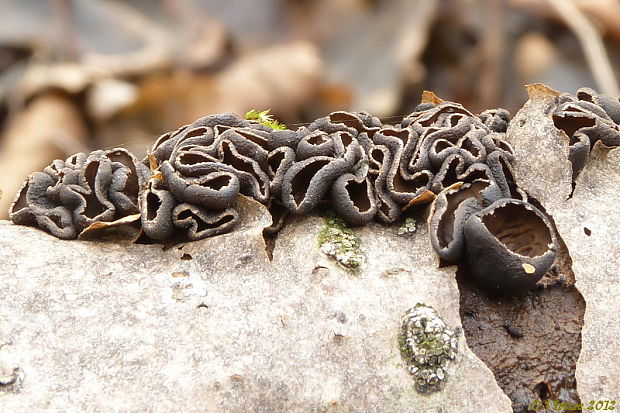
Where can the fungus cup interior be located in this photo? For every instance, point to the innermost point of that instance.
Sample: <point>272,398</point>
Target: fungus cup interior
<point>358,193</point>
<point>347,119</point>
<point>345,138</point>
<point>217,182</point>
<point>196,132</point>
<point>445,109</point>
<point>411,186</point>
<point>57,220</point>
<point>441,144</point>
<point>519,228</point>
<point>231,158</point>
<point>403,135</point>
<point>318,139</point>
<point>451,174</point>
<point>257,139</point>
<point>376,157</point>
<point>571,124</point>
<point>468,145</point>
<point>474,174</point>
<point>153,203</point>
<point>301,182</point>
<point>192,158</point>
<point>274,160</point>
<point>21,202</point>
<point>93,206</point>
<point>202,224</point>
<point>445,232</point>
<point>131,187</point>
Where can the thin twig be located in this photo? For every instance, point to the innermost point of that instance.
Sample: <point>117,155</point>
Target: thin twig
<point>591,43</point>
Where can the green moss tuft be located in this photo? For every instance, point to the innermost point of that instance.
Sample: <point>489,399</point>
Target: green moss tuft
<point>264,118</point>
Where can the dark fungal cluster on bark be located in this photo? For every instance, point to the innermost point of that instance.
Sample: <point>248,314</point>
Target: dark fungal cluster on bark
<point>587,118</point>
<point>187,186</point>
<point>480,216</point>
<point>69,196</point>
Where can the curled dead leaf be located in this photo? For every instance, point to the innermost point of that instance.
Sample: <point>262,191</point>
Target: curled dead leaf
<point>538,90</point>
<point>430,97</point>
<point>124,230</point>
<point>425,197</point>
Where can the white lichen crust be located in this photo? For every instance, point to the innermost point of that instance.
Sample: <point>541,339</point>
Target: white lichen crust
<point>427,345</point>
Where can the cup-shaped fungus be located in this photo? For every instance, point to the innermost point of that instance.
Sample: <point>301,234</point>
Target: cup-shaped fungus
<point>495,119</point>
<point>33,207</point>
<point>586,119</point>
<point>354,199</point>
<point>509,245</point>
<point>278,162</point>
<point>317,143</point>
<point>350,159</point>
<point>451,209</point>
<point>610,105</point>
<point>156,205</point>
<point>201,223</point>
<point>308,181</point>
<point>215,190</point>
<point>353,122</point>
<point>83,190</point>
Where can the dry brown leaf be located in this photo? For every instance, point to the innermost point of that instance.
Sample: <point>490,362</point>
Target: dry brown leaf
<point>126,229</point>
<point>546,173</point>
<point>540,91</point>
<point>281,78</point>
<point>430,97</point>
<point>535,55</point>
<point>378,49</point>
<point>424,198</point>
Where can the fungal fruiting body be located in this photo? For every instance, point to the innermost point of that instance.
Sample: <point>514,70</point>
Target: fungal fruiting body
<point>364,169</point>
<point>510,246</point>
<point>427,346</point>
<point>69,196</point>
<point>187,186</point>
<point>587,118</point>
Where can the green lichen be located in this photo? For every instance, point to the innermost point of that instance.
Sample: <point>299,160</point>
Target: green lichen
<point>340,242</point>
<point>405,351</point>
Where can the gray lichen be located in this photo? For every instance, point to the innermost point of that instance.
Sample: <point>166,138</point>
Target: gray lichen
<point>427,345</point>
<point>340,242</point>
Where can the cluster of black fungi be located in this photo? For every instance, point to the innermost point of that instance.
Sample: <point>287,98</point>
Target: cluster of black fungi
<point>187,187</point>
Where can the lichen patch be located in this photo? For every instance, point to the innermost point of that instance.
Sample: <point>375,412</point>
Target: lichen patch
<point>408,228</point>
<point>427,345</point>
<point>340,242</point>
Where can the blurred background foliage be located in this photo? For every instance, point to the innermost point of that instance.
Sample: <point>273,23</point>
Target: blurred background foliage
<point>77,75</point>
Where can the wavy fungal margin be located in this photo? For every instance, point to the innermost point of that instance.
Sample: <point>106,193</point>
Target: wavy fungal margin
<point>187,185</point>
